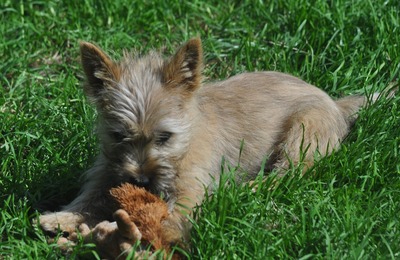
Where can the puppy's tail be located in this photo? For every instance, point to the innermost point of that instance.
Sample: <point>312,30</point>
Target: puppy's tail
<point>350,105</point>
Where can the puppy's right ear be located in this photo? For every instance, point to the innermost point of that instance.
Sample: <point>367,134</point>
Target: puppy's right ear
<point>101,72</point>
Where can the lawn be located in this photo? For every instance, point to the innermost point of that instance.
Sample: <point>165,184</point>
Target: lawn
<point>347,206</point>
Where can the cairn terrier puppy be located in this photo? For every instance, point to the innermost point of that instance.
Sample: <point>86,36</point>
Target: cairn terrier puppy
<point>162,129</point>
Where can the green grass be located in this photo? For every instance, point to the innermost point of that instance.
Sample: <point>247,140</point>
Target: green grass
<point>346,207</point>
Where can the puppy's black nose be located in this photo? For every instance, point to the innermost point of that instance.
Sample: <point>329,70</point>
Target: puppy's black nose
<point>142,181</point>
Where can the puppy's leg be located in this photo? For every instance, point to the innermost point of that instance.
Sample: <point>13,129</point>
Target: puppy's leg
<point>63,221</point>
<point>93,205</point>
<point>312,131</point>
<point>176,228</point>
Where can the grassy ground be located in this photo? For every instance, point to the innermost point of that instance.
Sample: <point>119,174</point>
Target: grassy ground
<point>348,207</point>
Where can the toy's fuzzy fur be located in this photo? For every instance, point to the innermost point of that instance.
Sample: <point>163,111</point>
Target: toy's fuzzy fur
<point>139,218</point>
<point>146,210</point>
<point>163,129</point>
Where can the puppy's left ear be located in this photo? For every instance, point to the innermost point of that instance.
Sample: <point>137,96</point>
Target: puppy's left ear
<point>184,68</point>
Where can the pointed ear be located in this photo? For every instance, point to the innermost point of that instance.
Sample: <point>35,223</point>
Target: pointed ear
<point>184,68</point>
<point>100,70</point>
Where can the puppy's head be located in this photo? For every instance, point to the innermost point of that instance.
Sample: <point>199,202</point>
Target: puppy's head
<point>144,106</point>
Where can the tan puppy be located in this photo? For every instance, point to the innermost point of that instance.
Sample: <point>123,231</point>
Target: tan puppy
<point>162,129</point>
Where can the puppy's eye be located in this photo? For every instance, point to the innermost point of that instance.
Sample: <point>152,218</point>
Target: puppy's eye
<point>118,136</point>
<point>162,138</point>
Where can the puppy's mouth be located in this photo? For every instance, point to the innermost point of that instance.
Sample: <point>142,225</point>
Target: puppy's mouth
<point>148,184</point>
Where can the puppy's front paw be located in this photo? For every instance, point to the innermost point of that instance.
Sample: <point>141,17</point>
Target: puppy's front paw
<point>65,222</point>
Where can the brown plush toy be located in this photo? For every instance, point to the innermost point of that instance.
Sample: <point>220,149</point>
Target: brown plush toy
<point>138,221</point>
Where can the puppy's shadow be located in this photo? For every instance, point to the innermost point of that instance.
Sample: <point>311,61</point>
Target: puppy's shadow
<point>58,186</point>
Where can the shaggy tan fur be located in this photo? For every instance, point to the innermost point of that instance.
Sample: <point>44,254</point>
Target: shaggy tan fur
<point>161,128</point>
